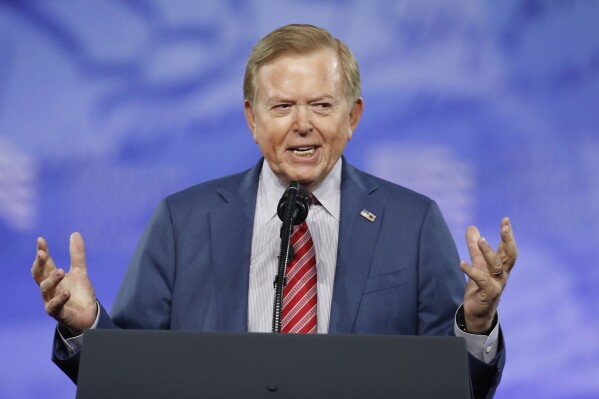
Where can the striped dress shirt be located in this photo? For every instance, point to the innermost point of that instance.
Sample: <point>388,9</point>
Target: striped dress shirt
<point>323,222</point>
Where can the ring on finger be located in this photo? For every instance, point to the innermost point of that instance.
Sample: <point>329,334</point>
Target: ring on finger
<point>497,273</point>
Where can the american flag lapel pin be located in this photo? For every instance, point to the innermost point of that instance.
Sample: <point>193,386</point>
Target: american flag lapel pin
<point>368,215</point>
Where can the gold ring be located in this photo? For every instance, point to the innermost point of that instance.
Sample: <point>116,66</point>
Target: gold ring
<point>497,274</point>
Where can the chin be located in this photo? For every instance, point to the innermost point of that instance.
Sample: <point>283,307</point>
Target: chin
<point>306,176</point>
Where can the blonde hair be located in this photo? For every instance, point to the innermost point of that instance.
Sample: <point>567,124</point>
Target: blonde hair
<point>299,39</point>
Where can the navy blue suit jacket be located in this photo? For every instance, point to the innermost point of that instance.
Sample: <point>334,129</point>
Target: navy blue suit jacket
<point>396,275</point>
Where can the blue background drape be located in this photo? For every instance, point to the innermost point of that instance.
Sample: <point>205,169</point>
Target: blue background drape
<point>490,107</point>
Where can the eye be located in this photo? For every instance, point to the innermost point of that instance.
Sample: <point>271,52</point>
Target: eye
<point>282,106</point>
<point>323,105</point>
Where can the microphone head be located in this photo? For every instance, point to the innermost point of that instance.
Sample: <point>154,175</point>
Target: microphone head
<point>301,204</point>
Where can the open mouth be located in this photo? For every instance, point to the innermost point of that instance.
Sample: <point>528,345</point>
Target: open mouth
<point>303,151</point>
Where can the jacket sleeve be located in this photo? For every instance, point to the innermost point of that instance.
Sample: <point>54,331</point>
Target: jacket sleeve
<point>144,298</point>
<point>442,283</point>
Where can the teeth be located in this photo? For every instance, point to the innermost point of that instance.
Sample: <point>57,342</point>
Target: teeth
<point>304,151</point>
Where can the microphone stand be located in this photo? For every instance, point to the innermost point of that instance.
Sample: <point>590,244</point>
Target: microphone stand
<point>292,210</point>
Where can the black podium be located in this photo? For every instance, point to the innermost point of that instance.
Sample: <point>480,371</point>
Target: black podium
<point>173,364</point>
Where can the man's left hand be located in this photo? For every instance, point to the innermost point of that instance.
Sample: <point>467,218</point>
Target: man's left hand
<point>488,275</point>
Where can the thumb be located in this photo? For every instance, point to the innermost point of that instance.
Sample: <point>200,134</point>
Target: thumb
<point>77,250</point>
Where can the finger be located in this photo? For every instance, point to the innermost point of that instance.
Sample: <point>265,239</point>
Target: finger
<point>493,261</point>
<point>472,237</point>
<point>42,244</point>
<point>77,250</point>
<point>508,249</point>
<point>478,276</point>
<point>43,263</point>
<point>48,286</point>
<point>55,306</point>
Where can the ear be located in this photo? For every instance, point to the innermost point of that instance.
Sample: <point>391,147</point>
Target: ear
<point>354,115</point>
<point>250,118</point>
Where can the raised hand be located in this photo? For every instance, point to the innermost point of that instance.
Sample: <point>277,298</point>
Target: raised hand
<point>488,275</point>
<point>68,297</point>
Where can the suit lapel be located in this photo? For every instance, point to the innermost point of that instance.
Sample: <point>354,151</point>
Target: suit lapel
<point>357,240</point>
<point>231,228</point>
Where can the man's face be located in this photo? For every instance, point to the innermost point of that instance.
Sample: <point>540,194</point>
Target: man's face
<point>301,119</point>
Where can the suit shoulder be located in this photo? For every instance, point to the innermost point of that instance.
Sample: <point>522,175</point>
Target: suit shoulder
<point>405,206</point>
<point>397,194</point>
<point>209,193</point>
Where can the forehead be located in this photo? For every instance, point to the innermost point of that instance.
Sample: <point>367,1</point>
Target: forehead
<point>300,73</point>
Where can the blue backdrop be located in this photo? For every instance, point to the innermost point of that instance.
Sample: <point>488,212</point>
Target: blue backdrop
<point>490,107</point>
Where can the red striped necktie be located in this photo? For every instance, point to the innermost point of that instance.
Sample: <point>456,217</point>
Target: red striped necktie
<point>299,294</point>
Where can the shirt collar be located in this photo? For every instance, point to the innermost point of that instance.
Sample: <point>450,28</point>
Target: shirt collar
<point>271,189</point>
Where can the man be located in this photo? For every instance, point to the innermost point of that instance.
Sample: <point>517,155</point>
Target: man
<point>385,261</point>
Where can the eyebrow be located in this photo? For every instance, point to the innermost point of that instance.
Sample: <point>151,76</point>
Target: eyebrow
<point>283,99</point>
<point>322,97</point>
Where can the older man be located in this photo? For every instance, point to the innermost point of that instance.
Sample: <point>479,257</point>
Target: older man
<point>373,257</point>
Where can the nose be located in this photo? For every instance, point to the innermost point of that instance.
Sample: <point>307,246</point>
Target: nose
<point>302,123</point>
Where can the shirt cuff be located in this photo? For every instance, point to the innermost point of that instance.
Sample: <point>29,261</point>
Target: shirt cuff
<point>482,347</point>
<point>73,344</point>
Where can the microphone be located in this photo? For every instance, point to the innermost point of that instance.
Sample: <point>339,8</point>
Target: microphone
<point>299,198</point>
<point>292,209</point>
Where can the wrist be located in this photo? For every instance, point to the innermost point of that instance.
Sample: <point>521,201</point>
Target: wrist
<point>477,327</point>
<point>74,331</point>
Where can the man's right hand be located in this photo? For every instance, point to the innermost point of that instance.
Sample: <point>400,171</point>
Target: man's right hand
<point>68,297</point>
